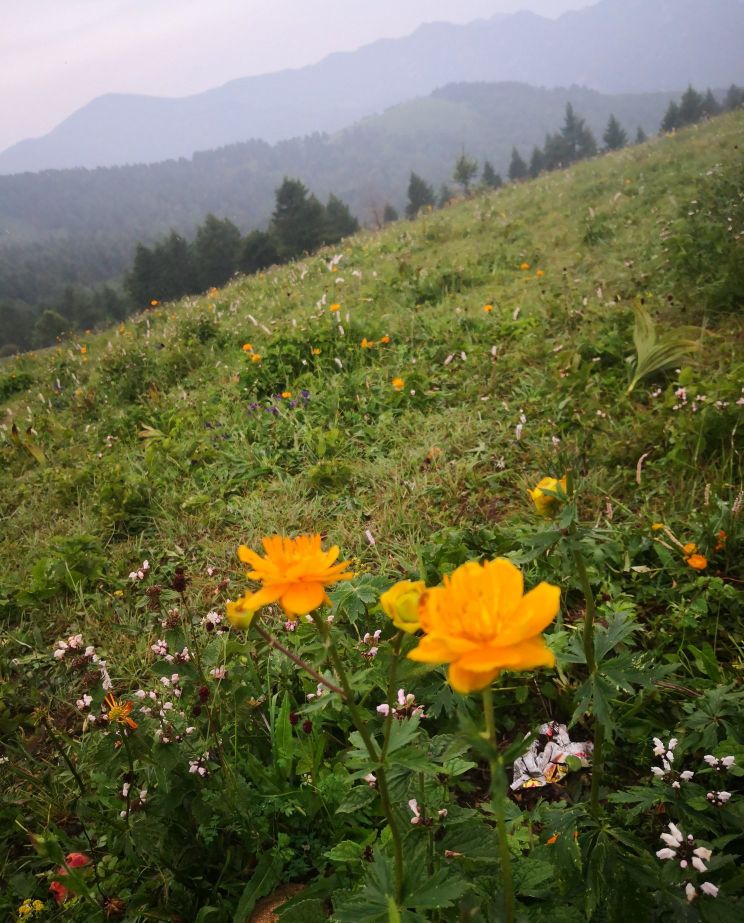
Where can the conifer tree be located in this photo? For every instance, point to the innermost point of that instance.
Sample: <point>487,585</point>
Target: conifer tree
<point>259,250</point>
<point>537,162</point>
<point>490,178</point>
<point>466,169</point>
<point>389,214</point>
<point>177,275</point>
<point>444,195</point>
<point>298,219</point>
<point>142,280</point>
<point>420,195</point>
<point>577,136</point>
<point>615,137</point>
<point>734,98</point>
<point>711,106</point>
<point>517,168</point>
<point>339,221</point>
<point>671,121</point>
<point>216,251</point>
<point>690,107</point>
<point>641,136</point>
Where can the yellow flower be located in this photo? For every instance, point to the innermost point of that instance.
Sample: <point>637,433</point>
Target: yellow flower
<point>539,274</point>
<point>294,572</point>
<point>83,349</point>
<point>247,347</point>
<point>367,344</point>
<point>546,502</point>
<point>385,339</point>
<point>401,602</point>
<point>488,308</point>
<point>697,561</point>
<point>286,395</point>
<point>398,384</point>
<point>119,711</point>
<point>657,526</point>
<point>335,307</point>
<point>239,613</point>
<point>524,266</point>
<point>316,351</point>
<point>255,357</point>
<point>480,622</point>
<point>689,548</point>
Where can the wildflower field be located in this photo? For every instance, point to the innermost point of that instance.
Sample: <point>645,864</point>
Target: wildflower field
<point>400,583</point>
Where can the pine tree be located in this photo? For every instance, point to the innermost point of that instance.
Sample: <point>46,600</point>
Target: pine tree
<point>49,326</point>
<point>537,162</point>
<point>444,195</point>
<point>641,136</point>
<point>339,221</point>
<point>690,107</point>
<point>177,274</point>
<point>734,98</point>
<point>490,178</point>
<point>556,152</point>
<point>259,250</point>
<point>420,195</point>
<point>389,214</point>
<point>517,168</point>
<point>216,251</point>
<point>711,106</point>
<point>466,169</point>
<point>298,219</point>
<point>615,137</point>
<point>671,121</point>
<point>142,278</point>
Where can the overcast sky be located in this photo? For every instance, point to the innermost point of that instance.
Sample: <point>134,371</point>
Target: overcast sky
<point>56,55</point>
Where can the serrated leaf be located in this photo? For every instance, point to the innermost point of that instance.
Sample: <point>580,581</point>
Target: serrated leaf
<point>346,851</point>
<point>359,797</point>
<point>441,890</point>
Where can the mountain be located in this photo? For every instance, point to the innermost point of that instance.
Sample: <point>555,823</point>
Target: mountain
<point>80,226</point>
<point>616,46</point>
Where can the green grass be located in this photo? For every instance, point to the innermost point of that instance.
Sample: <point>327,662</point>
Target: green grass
<point>140,442</point>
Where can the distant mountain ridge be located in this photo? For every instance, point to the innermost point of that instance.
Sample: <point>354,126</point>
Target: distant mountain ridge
<point>616,46</point>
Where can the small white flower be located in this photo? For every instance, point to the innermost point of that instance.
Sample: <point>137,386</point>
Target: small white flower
<point>383,710</point>
<point>707,887</point>
<point>413,805</point>
<point>666,853</point>
<point>690,891</point>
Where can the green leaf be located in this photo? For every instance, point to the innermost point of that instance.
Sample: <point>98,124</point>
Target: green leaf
<point>619,628</point>
<point>282,740</point>
<point>441,890</point>
<point>265,878</point>
<point>532,877</point>
<point>346,851</point>
<point>657,352</point>
<point>361,796</point>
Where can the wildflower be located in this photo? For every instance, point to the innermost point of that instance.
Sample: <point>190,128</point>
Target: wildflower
<point>720,541</point>
<point>154,303</point>
<point>247,348</point>
<point>540,273</point>
<point>488,308</point>
<point>315,351</point>
<point>293,572</point>
<point>697,561</point>
<point>401,604</point>
<point>367,344</point>
<point>334,307</point>
<point>481,622</point>
<point>370,779</point>
<point>255,357</point>
<point>286,395</point>
<point>30,908</point>
<point>657,526</point>
<point>218,673</point>
<point>413,805</point>
<point>385,339</point>
<point>689,548</point>
<point>398,384</point>
<point>718,798</point>
<point>73,860</point>
<point>544,495</point>
<point>524,266</point>
<point>725,762</point>
<point>119,712</point>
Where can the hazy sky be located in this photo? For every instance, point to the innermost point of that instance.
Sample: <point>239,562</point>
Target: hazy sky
<point>56,55</point>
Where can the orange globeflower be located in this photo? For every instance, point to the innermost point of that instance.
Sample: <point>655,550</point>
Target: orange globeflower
<point>119,712</point>
<point>697,561</point>
<point>481,622</point>
<point>539,273</point>
<point>335,307</point>
<point>286,395</point>
<point>247,347</point>
<point>385,339</point>
<point>294,572</point>
<point>488,308</point>
<point>546,502</point>
<point>255,357</point>
<point>524,266</point>
<point>398,384</point>
<point>154,303</point>
<point>316,351</point>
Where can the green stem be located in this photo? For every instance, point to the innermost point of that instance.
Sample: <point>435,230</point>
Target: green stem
<point>498,799</point>
<point>374,753</point>
<point>591,664</point>
<point>303,665</point>
<point>387,730</point>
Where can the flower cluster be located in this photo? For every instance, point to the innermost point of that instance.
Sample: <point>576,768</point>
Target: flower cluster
<point>419,818</point>
<point>369,645</point>
<point>666,771</point>
<point>682,850</point>
<point>406,707</point>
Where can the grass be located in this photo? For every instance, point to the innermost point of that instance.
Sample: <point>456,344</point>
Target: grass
<point>153,440</point>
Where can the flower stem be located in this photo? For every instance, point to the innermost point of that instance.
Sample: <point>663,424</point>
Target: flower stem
<point>498,798</point>
<point>374,753</point>
<point>591,664</point>
<point>303,665</point>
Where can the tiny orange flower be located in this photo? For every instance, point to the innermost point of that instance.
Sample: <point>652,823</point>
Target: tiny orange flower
<point>552,839</point>
<point>247,347</point>
<point>689,548</point>
<point>367,344</point>
<point>398,384</point>
<point>255,357</point>
<point>721,541</point>
<point>83,349</point>
<point>335,307</point>
<point>119,711</point>
<point>286,395</point>
<point>385,339</point>
<point>539,274</point>
<point>697,561</point>
<point>488,308</point>
<point>154,303</point>
<point>657,526</point>
<point>316,351</point>
<point>524,267</point>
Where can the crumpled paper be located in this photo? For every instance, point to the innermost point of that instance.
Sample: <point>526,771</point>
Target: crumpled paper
<point>538,767</point>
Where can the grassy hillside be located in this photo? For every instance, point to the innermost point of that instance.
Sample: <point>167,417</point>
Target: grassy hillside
<point>500,332</point>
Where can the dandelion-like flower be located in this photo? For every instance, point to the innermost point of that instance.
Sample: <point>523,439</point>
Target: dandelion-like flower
<point>119,712</point>
<point>481,622</point>
<point>697,561</point>
<point>398,384</point>
<point>294,572</point>
<point>544,494</point>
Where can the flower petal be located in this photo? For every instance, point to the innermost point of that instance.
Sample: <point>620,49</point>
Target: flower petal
<point>437,649</point>
<point>537,610</point>
<point>465,681</point>
<point>301,598</point>
<point>526,655</point>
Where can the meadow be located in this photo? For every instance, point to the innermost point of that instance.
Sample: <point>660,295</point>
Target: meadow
<point>535,390</point>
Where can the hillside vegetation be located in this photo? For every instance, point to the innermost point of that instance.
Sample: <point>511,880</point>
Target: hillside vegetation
<point>398,396</point>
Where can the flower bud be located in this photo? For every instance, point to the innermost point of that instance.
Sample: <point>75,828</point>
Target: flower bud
<point>401,604</point>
